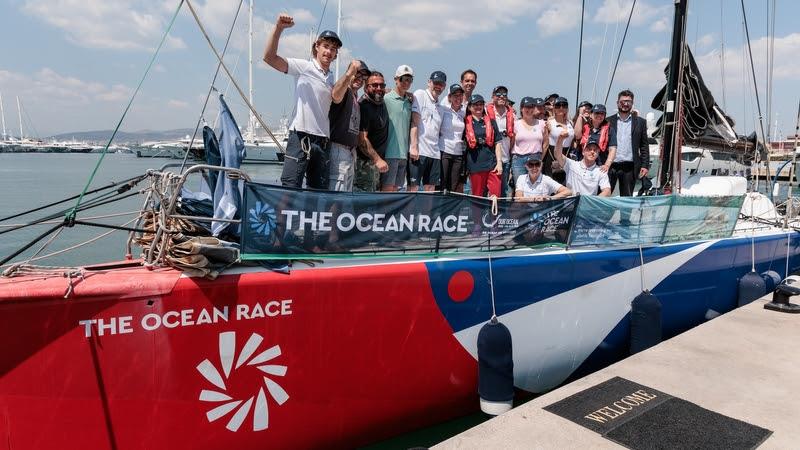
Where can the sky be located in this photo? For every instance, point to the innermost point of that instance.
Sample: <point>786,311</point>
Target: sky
<point>74,64</point>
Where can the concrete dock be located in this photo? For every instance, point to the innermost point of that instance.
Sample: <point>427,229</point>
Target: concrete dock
<point>744,365</point>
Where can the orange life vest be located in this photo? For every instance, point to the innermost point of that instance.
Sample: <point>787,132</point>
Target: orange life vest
<point>490,110</point>
<point>469,130</point>
<point>587,129</point>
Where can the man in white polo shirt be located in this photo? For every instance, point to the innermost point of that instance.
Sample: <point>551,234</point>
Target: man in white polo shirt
<point>584,177</point>
<point>306,154</point>
<point>424,165</point>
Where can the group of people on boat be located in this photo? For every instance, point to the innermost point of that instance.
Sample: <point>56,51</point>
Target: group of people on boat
<point>449,137</point>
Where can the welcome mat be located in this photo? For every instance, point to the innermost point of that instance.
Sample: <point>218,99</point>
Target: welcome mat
<point>640,417</point>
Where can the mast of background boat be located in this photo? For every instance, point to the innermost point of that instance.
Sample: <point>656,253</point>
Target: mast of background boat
<point>250,118</point>
<point>19,112</point>
<point>3,116</point>
<point>338,33</point>
<point>669,175</point>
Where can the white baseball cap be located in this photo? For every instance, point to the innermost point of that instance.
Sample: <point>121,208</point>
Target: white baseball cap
<point>403,70</point>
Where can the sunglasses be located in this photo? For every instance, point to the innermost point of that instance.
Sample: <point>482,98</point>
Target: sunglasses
<point>501,94</point>
<point>561,105</point>
<point>406,79</point>
<point>377,85</point>
<point>533,164</point>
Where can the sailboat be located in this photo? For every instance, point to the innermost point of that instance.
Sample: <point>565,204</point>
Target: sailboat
<point>355,317</point>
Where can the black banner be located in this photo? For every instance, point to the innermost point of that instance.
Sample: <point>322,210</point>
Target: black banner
<point>281,222</point>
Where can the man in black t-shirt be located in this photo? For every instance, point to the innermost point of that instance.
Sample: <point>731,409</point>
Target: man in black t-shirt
<point>345,118</point>
<point>373,135</point>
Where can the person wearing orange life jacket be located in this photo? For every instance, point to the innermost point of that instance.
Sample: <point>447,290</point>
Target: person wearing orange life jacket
<point>501,112</point>
<point>598,129</point>
<point>484,151</point>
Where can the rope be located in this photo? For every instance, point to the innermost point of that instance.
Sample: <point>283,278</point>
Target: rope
<point>788,239</point>
<point>641,266</point>
<point>491,288</point>
<point>127,185</point>
<point>68,249</point>
<point>53,222</point>
<point>621,45</point>
<point>71,215</point>
<point>210,89</point>
<point>30,244</point>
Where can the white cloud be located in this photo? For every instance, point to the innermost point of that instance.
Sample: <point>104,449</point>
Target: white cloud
<point>417,25</point>
<point>706,40</point>
<point>118,25</point>
<point>648,51</point>
<point>615,11</point>
<point>177,104</point>
<point>661,25</point>
<point>302,16</point>
<point>559,18</point>
<point>786,64</point>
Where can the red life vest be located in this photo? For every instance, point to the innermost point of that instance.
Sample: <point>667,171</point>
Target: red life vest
<point>587,129</point>
<point>490,110</point>
<point>469,130</point>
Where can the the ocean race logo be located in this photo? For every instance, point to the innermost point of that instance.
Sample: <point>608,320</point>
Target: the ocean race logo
<point>263,218</point>
<point>222,376</point>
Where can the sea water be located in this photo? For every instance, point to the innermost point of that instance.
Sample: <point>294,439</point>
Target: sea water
<point>29,180</point>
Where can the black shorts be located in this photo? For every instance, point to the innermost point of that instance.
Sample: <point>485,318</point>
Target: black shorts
<point>424,172</point>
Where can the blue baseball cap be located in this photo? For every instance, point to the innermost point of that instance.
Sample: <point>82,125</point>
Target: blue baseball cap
<point>531,102</point>
<point>476,98</point>
<point>331,36</point>
<point>455,87</point>
<point>593,140</point>
<point>599,108</point>
<point>438,77</point>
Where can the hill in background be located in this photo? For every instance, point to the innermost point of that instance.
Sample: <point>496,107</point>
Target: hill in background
<point>125,137</point>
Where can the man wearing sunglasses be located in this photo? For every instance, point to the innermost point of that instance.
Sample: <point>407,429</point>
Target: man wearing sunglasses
<point>345,118</point>
<point>398,104</point>
<point>499,111</point>
<point>632,160</point>
<point>373,135</point>
<point>536,186</point>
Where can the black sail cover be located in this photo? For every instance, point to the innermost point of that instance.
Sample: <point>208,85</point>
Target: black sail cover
<point>704,123</point>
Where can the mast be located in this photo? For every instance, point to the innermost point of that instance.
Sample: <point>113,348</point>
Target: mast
<point>3,116</point>
<point>251,119</point>
<point>19,112</point>
<point>338,33</point>
<point>669,176</point>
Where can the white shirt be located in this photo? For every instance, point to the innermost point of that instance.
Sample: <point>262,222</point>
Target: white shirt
<point>430,123</point>
<point>624,147</point>
<point>505,143</point>
<point>585,180</point>
<point>555,131</point>
<point>312,92</point>
<point>452,130</point>
<point>543,186</point>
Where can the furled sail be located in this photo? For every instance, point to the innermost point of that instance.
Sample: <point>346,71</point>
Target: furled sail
<point>703,122</point>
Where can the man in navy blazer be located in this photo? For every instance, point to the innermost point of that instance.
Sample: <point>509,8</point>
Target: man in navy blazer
<point>632,160</point>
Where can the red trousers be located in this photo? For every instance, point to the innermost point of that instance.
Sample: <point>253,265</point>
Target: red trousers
<point>483,181</point>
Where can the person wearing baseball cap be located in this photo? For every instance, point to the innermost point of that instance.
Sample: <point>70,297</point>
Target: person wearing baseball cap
<point>549,101</point>
<point>500,111</point>
<point>535,186</point>
<point>531,133</point>
<point>451,139</point>
<point>484,151</point>
<point>599,130</point>
<point>559,120</point>
<point>584,177</point>
<point>307,148</point>
<point>424,157</point>
<point>399,102</point>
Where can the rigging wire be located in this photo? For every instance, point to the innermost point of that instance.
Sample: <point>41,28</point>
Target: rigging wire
<point>621,45</point>
<point>210,89</point>
<point>599,60</point>
<point>758,101</point>
<point>73,212</point>
<point>322,16</point>
<point>580,54</point>
<point>770,71</point>
<point>722,54</point>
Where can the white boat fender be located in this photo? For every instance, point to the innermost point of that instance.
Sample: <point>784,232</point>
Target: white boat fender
<point>771,280</point>
<point>646,330</point>
<point>495,368</point>
<point>751,287</point>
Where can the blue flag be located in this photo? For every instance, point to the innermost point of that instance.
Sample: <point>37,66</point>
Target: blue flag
<point>227,192</point>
